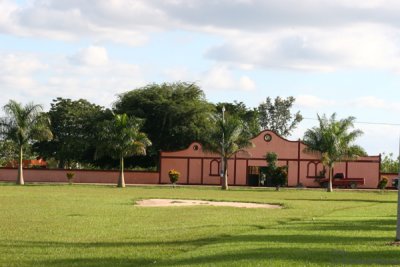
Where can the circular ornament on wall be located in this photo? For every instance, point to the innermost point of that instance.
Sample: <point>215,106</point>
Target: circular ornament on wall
<point>267,138</point>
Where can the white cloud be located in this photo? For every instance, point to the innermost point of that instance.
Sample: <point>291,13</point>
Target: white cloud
<point>117,21</point>
<point>17,72</point>
<point>179,74</point>
<point>363,45</point>
<point>40,79</point>
<point>312,35</point>
<point>91,56</point>
<point>311,101</point>
<point>379,138</point>
<point>246,83</point>
<point>369,102</point>
<point>373,102</point>
<point>220,77</point>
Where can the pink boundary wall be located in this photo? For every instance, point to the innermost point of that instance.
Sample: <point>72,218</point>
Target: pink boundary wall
<point>81,176</point>
<point>199,167</point>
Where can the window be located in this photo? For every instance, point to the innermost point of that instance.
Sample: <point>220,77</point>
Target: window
<point>267,138</point>
<point>315,169</point>
<point>214,167</point>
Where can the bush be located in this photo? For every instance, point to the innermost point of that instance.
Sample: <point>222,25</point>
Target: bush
<point>174,176</point>
<point>70,177</point>
<point>383,182</point>
<point>279,177</point>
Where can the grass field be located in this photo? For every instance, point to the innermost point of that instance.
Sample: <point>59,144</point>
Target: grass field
<point>82,225</point>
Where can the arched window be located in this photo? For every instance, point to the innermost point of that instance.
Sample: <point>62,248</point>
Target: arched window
<point>214,167</point>
<point>315,169</point>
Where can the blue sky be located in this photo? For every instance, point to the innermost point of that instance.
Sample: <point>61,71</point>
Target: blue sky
<point>332,56</point>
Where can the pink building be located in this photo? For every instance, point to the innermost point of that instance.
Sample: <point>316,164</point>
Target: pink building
<point>199,167</point>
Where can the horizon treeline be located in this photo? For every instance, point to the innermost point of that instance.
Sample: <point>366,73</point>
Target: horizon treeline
<point>173,115</point>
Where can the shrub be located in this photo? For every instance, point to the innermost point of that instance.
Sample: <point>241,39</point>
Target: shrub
<point>173,176</point>
<point>383,182</point>
<point>70,176</point>
<point>278,175</point>
<point>271,158</point>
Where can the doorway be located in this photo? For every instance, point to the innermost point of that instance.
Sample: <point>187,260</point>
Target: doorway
<point>256,176</point>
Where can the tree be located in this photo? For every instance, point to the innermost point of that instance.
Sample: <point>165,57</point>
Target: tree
<point>277,175</point>
<point>120,138</point>
<point>277,116</point>
<point>250,117</point>
<point>22,125</point>
<point>74,124</point>
<point>8,152</point>
<point>226,138</point>
<point>174,114</point>
<point>333,141</point>
<point>389,164</point>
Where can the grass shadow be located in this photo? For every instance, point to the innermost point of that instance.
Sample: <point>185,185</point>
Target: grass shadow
<point>343,200</point>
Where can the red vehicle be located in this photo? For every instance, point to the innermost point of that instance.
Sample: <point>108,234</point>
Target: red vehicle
<point>340,181</point>
<point>28,163</point>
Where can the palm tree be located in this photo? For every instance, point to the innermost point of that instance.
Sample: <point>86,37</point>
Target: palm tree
<point>333,141</point>
<point>22,125</point>
<point>226,139</point>
<point>122,138</point>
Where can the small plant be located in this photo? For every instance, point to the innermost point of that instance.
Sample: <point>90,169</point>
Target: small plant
<point>383,182</point>
<point>174,176</point>
<point>278,175</point>
<point>300,185</point>
<point>70,177</point>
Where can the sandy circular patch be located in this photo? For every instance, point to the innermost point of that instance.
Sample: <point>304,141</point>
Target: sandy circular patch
<point>191,202</point>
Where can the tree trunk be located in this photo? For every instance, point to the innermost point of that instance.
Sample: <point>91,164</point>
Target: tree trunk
<point>330,187</point>
<point>61,164</point>
<point>225,178</point>
<point>20,178</point>
<point>398,212</point>
<point>121,178</point>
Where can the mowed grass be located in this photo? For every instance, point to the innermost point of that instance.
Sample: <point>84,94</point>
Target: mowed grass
<point>82,225</point>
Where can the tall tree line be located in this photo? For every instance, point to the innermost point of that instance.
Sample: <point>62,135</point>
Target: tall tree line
<point>173,115</point>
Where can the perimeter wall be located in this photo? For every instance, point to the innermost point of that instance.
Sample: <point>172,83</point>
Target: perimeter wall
<point>81,176</point>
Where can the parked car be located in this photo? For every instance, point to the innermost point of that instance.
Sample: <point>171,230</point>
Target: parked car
<point>339,180</point>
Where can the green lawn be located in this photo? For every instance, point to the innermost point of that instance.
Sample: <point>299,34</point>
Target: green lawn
<point>82,225</point>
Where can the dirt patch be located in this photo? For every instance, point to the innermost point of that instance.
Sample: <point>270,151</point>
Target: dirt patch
<point>394,243</point>
<point>189,202</point>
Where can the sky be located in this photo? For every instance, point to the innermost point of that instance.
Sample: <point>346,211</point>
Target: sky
<point>331,55</point>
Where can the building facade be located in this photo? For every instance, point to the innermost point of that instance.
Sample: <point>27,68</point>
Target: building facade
<point>199,167</point>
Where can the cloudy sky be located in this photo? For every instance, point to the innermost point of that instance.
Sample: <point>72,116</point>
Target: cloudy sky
<point>331,55</point>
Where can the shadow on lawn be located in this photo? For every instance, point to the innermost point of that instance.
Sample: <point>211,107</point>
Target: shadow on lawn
<point>98,262</point>
<point>264,245</point>
<point>265,256</point>
<point>344,200</point>
<point>348,226</point>
<point>288,253</point>
<point>291,256</point>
